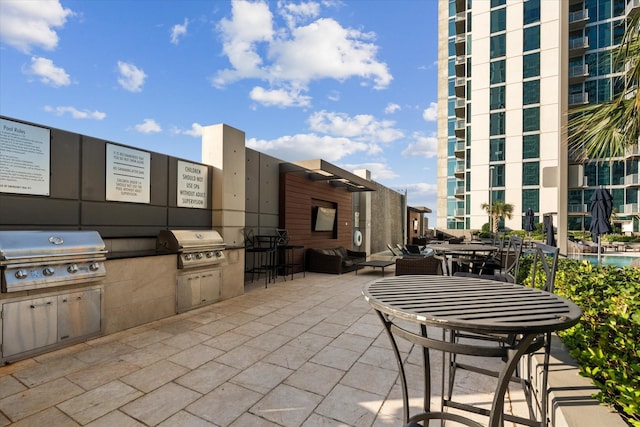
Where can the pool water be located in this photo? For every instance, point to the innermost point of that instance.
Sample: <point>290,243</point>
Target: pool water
<point>615,260</point>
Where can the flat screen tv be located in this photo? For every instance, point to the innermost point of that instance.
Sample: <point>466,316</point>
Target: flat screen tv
<point>325,219</point>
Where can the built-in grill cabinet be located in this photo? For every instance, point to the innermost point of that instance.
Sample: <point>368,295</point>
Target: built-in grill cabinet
<point>200,260</point>
<point>40,311</point>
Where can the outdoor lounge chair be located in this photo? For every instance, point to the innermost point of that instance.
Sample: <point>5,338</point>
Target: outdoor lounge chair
<point>421,265</point>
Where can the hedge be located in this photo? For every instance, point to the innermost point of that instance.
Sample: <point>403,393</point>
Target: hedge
<point>605,342</point>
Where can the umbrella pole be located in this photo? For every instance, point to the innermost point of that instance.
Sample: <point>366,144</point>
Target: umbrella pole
<point>599,249</point>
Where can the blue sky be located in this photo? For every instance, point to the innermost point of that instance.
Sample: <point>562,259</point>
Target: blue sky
<point>352,82</point>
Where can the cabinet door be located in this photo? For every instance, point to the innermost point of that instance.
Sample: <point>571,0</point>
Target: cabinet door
<point>210,286</point>
<point>28,325</point>
<point>79,314</point>
<point>188,291</point>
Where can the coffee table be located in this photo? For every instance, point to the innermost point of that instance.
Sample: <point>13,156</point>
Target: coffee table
<point>374,263</point>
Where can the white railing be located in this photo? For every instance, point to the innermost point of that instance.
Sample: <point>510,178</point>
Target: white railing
<point>579,43</point>
<point>580,15</point>
<point>573,208</point>
<point>579,98</point>
<point>631,179</point>
<point>630,208</point>
<point>579,70</point>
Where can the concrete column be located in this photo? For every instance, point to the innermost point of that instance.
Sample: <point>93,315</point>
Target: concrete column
<point>223,148</point>
<point>364,222</point>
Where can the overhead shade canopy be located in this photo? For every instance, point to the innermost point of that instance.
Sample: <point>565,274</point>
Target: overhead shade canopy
<point>320,170</point>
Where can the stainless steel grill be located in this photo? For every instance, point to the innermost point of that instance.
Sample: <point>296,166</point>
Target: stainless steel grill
<point>195,248</point>
<point>42,259</point>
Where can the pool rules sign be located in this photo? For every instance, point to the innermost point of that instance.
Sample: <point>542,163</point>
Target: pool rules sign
<point>192,185</point>
<point>128,175</point>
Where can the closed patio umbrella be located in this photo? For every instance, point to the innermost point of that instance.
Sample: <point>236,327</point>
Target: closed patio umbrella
<point>601,208</point>
<point>529,222</point>
<point>548,228</point>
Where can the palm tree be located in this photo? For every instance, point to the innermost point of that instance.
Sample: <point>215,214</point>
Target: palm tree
<point>599,131</point>
<point>498,210</point>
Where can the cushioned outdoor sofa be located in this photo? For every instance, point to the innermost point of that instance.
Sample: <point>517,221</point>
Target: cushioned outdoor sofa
<point>333,260</point>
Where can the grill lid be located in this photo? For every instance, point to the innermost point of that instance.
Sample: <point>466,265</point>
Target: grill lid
<point>181,240</point>
<point>28,244</point>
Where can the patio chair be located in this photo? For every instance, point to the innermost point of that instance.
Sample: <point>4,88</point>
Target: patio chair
<point>422,265</point>
<point>263,255</point>
<point>543,273</point>
<point>393,251</point>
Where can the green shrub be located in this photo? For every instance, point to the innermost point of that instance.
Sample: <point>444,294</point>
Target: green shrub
<point>606,341</point>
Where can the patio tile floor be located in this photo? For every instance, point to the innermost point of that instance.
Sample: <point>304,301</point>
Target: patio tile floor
<point>305,352</point>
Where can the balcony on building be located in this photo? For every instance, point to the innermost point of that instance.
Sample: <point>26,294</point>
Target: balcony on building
<point>460,128</point>
<point>461,22</point>
<point>578,73</point>
<point>461,44</point>
<point>578,46</point>
<point>459,170</point>
<point>459,212</point>
<point>460,148</point>
<point>577,208</point>
<point>633,151</point>
<point>633,7</point>
<point>578,19</point>
<point>459,192</point>
<point>629,209</point>
<point>460,107</point>
<point>461,5</point>
<point>576,99</point>
<point>460,86</point>
<point>632,180</point>
<point>461,65</point>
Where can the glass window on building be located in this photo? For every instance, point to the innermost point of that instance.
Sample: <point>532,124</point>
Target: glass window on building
<point>531,173</point>
<point>451,107</point>
<point>575,223</point>
<point>498,20</point>
<point>531,199</point>
<point>497,195</point>
<point>604,174</point>
<point>452,27</point>
<point>619,7</point>
<point>497,97</point>
<point>531,11</point>
<point>618,199</point>
<point>574,198</point>
<point>452,8</point>
<point>632,166</point>
<point>497,70</point>
<point>451,147</point>
<point>531,38</point>
<point>498,46</point>
<point>604,9</point>
<point>604,90</point>
<point>451,126</point>
<point>451,67</point>
<point>451,166</point>
<point>531,146</point>
<point>496,150</point>
<point>617,172</point>
<point>531,65</point>
<point>591,33</point>
<point>496,3</point>
<point>468,68</point>
<point>618,31</point>
<point>467,205</point>
<point>496,123</point>
<point>452,48</point>
<point>467,182</point>
<point>531,119</point>
<point>590,174</point>
<point>498,176</point>
<point>632,195</point>
<point>531,92</point>
<point>451,207</point>
<point>604,35</point>
<point>451,187</point>
<point>451,87</point>
<point>592,8</point>
<point>590,90</point>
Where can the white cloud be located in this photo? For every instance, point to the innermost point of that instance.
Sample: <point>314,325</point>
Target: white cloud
<point>431,113</point>
<point>423,146</point>
<point>131,77</point>
<point>178,31</point>
<point>379,171</point>
<point>294,56</point>
<point>391,108</point>
<point>362,126</point>
<point>75,113</point>
<point>28,24</point>
<point>293,13</point>
<point>195,131</point>
<point>279,97</point>
<point>48,73</point>
<point>148,126</point>
<point>308,146</point>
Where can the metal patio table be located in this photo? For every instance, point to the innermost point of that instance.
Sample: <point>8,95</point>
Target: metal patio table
<point>474,253</point>
<point>466,304</point>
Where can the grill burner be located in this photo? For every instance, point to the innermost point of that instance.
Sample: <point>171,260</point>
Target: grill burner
<point>42,259</point>
<point>196,248</point>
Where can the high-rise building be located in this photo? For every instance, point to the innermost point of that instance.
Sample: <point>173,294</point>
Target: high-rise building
<point>510,71</point>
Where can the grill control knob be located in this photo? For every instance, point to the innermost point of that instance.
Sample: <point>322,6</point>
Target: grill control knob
<point>218,254</point>
<point>209,254</point>
<point>188,257</point>
<point>21,274</point>
<point>73,268</point>
<point>48,271</point>
<point>199,255</point>
<point>94,266</point>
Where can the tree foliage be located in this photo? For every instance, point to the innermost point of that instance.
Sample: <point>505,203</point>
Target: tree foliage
<point>498,210</point>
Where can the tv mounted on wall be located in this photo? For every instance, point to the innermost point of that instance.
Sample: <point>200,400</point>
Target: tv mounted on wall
<point>325,219</point>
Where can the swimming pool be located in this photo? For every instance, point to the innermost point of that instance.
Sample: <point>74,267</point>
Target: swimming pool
<point>616,260</point>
